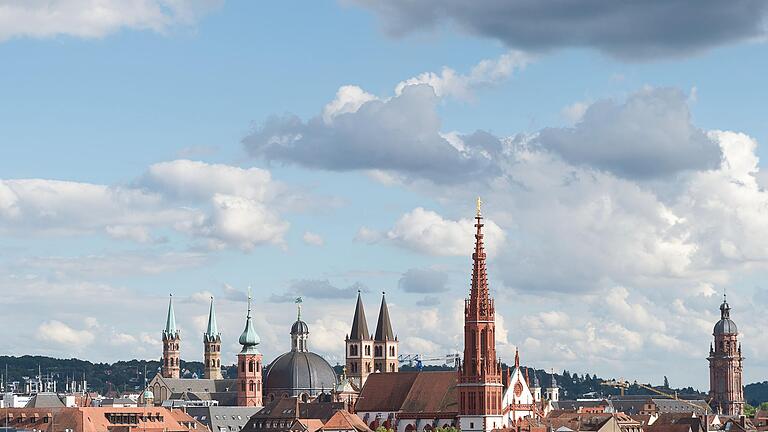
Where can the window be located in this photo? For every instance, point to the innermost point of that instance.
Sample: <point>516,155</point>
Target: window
<point>471,425</point>
<point>242,366</point>
<point>367,350</point>
<point>250,366</point>
<point>391,351</point>
<point>353,350</point>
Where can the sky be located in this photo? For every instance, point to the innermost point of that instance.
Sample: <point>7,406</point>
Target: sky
<point>314,149</point>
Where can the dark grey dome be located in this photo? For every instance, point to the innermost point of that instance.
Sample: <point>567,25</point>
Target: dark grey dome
<point>725,326</point>
<point>298,371</point>
<point>299,327</point>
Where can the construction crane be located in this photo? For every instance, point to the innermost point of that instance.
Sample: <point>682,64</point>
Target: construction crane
<point>622,385</point>
<point>418,360</point>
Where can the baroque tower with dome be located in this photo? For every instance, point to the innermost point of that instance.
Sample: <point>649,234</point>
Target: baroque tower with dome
<point>726,391</point>
<point>299,372</point>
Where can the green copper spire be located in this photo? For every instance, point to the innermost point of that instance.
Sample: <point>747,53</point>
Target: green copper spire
<point>212,333</point>
<point>170,323</point>
<point>249,339</point>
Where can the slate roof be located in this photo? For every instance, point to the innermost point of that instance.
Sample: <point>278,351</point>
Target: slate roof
<point>222,390</point>
<point>384,326</point>
<point>231,418</point>
<point>45,400</point>
<point>359,324</point>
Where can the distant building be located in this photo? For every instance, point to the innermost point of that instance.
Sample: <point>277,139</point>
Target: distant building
<point>726,391</point>
<point>290,414</point>
<point>365,354</point>
<point>480,381</point>
<point>223,418</point>
<point>409,401</point>
<point>171,345</point>
<point>100,419</point>
<point>299,372</point>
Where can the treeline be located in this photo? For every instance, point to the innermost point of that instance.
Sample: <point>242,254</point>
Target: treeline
<point>120,377</point>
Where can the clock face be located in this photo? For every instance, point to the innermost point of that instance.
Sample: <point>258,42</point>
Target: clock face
<point>518,389</point>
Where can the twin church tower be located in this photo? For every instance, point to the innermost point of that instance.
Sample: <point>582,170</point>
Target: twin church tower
<point>211,346</point>
<point>249,359</point>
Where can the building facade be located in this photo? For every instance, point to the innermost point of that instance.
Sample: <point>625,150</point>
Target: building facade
<point>299,372</point>
<point>365,354</point>
<point>171,344</point>
<point>480,384</point>
<point>385,344</point>
<point>249,365</point>
<point>212,347</point>
<point>726,391</point>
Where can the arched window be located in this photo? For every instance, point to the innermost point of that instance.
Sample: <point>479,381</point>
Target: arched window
<point>242,386</point>
<point>367,350</point>
<point>391,351</point>
<point>250,366</point>
<point>252,386</point>
<point>242,366</point>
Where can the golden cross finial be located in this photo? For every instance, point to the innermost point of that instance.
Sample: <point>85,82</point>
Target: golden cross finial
<point>479,205</point>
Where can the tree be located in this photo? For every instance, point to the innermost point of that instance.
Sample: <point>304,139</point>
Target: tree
<point>749,410</point>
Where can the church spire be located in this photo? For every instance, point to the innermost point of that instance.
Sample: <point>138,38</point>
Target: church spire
<point>384,325</point>
<point>359,324</point>
<point>480,303</point>
<point>213,329</point>
<point>249,338</point>
<point>170,322</point>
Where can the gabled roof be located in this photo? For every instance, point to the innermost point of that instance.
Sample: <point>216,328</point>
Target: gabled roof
<point>359,324</point>
<point>384,325</point>
<point>343,420</point>
<point>409,392</point>
<point>386,392</point>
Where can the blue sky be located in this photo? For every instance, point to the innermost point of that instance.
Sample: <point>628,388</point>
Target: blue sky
<point>615,222</point>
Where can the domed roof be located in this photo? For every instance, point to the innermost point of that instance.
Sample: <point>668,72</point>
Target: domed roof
<point>725,325</point>
<point>299,370</point>
<point>148,394</point>
<point>299,327</point>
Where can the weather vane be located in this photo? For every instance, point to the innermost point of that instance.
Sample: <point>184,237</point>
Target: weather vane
<point>298,302</point>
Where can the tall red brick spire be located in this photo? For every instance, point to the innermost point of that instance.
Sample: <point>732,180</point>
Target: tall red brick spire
<point>480,384</point>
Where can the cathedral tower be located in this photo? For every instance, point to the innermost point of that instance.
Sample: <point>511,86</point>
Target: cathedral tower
<point>249,365</point>
<point>359,347</point>
<point>171,339</point>
<point>385,343</point>
<point>725,366</point>
<point>212,347</point>
<point>480,385</point>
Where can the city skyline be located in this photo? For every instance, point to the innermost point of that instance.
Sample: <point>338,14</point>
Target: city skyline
<point>203,147</point>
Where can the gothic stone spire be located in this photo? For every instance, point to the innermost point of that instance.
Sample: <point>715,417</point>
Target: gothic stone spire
<point>359,324</point>
<point>384,325</point>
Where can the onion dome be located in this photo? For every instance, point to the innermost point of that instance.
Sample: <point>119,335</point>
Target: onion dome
<point>249,338</point>
<point>725,325</point>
